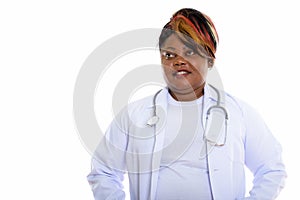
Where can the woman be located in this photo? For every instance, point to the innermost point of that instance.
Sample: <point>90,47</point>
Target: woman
<point>169,146</point>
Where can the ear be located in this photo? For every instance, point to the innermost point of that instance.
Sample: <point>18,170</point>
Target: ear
<point>211,63</point>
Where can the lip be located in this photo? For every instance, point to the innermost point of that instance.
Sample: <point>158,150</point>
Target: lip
<point>181,73</point>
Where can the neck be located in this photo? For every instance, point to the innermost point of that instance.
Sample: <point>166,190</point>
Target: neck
<point>187,96</point>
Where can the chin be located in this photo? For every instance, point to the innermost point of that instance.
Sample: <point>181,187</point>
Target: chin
<point>181,89</point>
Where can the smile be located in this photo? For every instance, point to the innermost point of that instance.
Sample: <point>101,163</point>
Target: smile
<point>180,73</point>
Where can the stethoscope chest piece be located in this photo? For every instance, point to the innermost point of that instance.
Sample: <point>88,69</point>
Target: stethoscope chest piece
<point>153,120</point>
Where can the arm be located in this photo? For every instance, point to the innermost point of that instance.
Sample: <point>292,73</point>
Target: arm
<point>108,165</point>
<point>262,157</point>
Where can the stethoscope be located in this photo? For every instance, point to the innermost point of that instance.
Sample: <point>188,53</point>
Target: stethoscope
<point>209,141</point>
<point>218,107</point>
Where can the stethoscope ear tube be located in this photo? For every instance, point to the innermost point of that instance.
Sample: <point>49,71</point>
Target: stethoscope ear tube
<point>213,125</point>
<point>217,107</point>
<point>215,131</point>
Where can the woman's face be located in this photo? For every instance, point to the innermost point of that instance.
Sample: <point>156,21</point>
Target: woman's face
<point>184,69</point>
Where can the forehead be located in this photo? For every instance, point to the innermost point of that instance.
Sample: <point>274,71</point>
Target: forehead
<point>173,42</point>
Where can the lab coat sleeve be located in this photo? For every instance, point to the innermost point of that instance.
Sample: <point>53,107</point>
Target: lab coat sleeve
<point>108,164</point>
<point>262,157</point>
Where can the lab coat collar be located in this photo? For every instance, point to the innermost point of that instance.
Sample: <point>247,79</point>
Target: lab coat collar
<point>209,95</point>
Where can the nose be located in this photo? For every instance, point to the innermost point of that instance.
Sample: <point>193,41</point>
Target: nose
<point>179,61</point>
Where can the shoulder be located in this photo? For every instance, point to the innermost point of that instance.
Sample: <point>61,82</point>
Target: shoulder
<point>239,105</point>
<point>137,109</point>
<point>141,104</point>
<point>244,112</point>
<point>233,104</point>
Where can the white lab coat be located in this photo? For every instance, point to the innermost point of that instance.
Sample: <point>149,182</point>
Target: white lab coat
<point>130,146</point>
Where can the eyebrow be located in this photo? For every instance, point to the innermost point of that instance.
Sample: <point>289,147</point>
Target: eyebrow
<point>173,48</point>
<point>168,48</point>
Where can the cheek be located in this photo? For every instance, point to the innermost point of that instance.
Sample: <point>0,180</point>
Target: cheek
<point>166,66</point>
<point>204,71</point>
<point>167,72</point>
<point>201,69</point>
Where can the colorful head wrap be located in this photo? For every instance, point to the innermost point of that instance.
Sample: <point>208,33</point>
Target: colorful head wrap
<point>196,29</point>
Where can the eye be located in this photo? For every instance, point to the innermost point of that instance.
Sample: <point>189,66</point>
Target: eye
<point>190,53</point>
<point>168,55</point>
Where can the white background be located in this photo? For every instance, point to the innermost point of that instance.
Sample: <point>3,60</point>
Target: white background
<point>44,43</point>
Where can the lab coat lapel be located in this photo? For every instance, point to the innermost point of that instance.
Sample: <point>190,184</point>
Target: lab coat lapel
<point>213,123</point>
<point>161,110</point>
<point>219,171</point>
<point>145,149</point>
<point>210,99</point>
